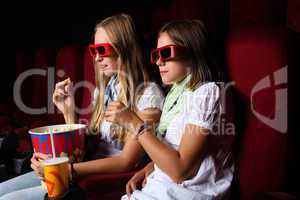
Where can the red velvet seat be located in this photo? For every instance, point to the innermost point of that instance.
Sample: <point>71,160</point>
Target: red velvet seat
<point>247,12</point>
<point>257,60</point>
<point>34,90</point>
<point>35,85</point>
<point>24,59</point>
<point>105,186</point>
<point>88,87</point>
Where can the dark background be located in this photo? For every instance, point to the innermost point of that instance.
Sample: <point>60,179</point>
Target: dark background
<point>55,24</point>
<point>28,26</point>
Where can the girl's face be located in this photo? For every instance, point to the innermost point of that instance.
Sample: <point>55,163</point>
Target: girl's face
<point>107,65</point>
<point>170,71</point>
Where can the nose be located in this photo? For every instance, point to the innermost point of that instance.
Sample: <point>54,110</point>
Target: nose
<point>159,62</point>
<point>98,58</point>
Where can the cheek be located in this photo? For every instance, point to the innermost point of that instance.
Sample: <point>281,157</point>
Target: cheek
<point>112,62</point>
<point>178,71</point>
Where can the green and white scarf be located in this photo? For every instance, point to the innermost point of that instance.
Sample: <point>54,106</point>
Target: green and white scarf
<point>172,105</point>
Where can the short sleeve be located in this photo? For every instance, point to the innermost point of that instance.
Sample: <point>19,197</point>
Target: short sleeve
<point>152,97</point>
<point>205,107</point>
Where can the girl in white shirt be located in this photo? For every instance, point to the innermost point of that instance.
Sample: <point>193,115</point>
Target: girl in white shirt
<point>192,159</point>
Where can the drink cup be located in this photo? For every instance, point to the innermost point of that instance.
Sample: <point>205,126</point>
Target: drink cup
<point>56,176</point>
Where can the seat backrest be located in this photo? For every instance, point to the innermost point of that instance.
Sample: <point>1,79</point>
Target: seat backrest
<point>32,73</point>
<point>69,61</point>
<point>89,86</point>
<point>44,59</point>
<point>247,12</point>
<point>69,64</point>
<point>257,59</point>
<point>24,61</point>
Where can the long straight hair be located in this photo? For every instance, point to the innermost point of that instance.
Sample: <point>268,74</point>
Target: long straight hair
<point>192,35</point>
<point>131,71</point>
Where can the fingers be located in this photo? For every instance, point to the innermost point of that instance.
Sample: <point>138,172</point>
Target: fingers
<point>133,185</point>
<point>128,190</point>
<point>110,108</point>
<point>65,85</point>
<point>69,88</point>
<point>114,107</point>
<point>134,182</point>
<point>110,118</point>
<point>117,105</point>
<point>61,92</point>
<point>41,156</point>
<point>36,157</point>
<point>109,113</point>
<point>144,182</point>
<point>38,170</point>
<point>33,167</point>
<point>36,164</point>
<point>62,89</point>
<point>58,95</point>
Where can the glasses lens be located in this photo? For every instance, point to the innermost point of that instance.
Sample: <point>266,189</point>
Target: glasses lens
<point>165,53</point>
<point>154,57</point>
<point>101,50</point>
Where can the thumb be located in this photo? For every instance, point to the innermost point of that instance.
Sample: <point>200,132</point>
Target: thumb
<point>69,88</point>
<point>144,182</point>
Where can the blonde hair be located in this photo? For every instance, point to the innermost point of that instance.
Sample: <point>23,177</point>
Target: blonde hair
<point>122,34</point>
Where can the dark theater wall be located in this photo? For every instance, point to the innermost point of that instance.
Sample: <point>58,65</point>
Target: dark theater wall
<point>51,24</point>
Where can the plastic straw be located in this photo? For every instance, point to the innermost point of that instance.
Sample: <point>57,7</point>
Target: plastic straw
<point>52,143</point>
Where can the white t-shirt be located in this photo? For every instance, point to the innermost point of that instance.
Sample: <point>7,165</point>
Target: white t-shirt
<point>203,108</point>
<point>152,97</point>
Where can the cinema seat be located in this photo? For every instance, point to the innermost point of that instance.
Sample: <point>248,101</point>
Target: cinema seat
<point>35,95</point>
<point>257,63</point>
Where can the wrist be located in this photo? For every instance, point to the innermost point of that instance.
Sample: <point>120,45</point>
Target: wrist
<point>70,118</point>
<point>142,130</point>
<point>136,123</point>
<point>72,173</point>
<point>148,168</point>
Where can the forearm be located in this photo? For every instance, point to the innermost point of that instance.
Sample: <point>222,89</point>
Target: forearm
<point>70,118</point>
<point>106,165</point>
<point>149,168</point>
<point>164,156</point>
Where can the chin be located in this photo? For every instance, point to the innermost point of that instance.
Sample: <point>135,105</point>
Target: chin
<point>108,73</point>
<point>167,81</point>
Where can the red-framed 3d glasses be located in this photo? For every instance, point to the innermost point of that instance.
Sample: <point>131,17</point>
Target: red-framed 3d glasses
<point>167,52</point>
<point>102,49</point>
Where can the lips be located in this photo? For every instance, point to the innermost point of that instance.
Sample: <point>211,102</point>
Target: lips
<point>102,66</point>
<point>163,72</point>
